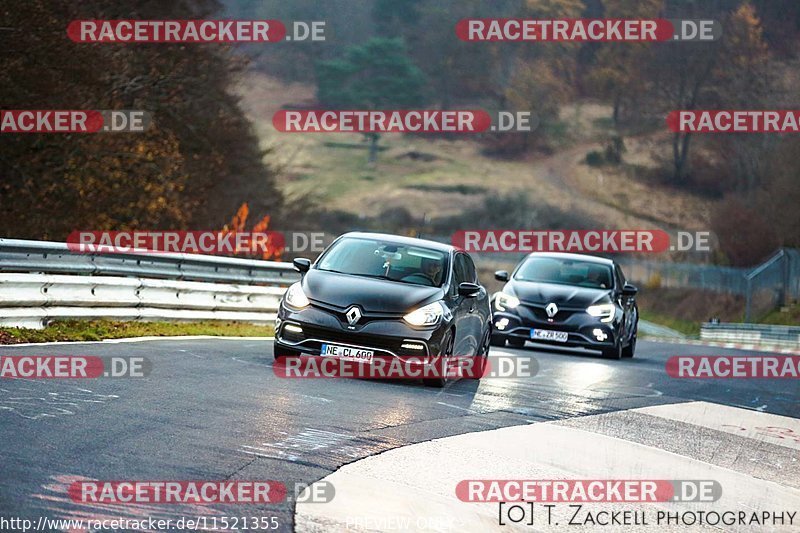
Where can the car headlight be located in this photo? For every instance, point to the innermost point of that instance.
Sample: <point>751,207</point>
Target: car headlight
<point>604,311</point>
<point>425,316</point>
<point>505,301</point>
<point>295,297</point>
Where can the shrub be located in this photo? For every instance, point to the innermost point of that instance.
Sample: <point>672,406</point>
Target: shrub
<point>595,158</point>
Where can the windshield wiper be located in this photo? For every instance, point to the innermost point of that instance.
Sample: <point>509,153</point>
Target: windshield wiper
<point>383,276</point>
<point>336,271</point>
<point>372,276</point>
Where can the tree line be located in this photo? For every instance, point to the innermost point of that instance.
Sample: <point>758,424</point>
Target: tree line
<point>191,170</point>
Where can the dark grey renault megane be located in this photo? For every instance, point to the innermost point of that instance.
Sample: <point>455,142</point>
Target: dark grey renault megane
<point>371,295</point>
<point>567,300</point>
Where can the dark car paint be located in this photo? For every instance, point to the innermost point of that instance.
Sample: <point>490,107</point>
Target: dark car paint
<point>383,304</point>
<point>374,295</point>
<point>561,295</point>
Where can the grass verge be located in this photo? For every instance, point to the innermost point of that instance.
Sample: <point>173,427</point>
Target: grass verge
<point>687,327</point>
<point>95,330</point>
<point>787,316</point>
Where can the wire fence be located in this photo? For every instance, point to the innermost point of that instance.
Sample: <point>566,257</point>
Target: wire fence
<point>774,283</point>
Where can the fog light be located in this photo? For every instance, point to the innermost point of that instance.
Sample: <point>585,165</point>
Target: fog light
<point>502,323</point>
<point>599,334</point>
<point>410,346</point>
<point>293,328</point>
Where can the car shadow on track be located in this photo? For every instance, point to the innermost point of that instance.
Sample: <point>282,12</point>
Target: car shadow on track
<point>571,352</point>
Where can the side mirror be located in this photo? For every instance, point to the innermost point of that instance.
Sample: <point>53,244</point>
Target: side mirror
<point>629,290</point>
<point>470,290</point>
<point>301,264</point>
<point>501,275</point>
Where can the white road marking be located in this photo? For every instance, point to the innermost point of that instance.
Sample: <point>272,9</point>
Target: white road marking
<point>456,407</point>
<point>318,398</point>
<point>307,440</point>
<point>250,362</point>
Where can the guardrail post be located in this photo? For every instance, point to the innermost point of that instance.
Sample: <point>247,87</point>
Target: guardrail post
<point>748,299</point>
<point>783,297</point>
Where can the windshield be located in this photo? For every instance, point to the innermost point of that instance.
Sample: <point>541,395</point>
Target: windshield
<point>565,272</point>
<point>386,260</point>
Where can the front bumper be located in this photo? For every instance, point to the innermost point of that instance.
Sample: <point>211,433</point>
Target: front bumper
<point>386,336</point>
<point>583,330</point>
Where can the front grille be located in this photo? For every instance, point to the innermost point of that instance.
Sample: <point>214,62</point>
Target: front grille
<point>540,314</point>
<point>359,339</point>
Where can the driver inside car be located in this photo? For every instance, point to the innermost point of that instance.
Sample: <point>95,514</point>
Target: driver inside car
<point>432,269</point>
<point>597,277</point>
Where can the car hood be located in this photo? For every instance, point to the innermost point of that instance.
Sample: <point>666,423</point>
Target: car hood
<point>372,295</point>
<point>561,295</point>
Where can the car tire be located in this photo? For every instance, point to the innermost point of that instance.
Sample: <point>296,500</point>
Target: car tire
<point>515,342</point>
<point>614,352</point>
<point>629,350</point>
<point>279,352</point>
<point>444,356</point>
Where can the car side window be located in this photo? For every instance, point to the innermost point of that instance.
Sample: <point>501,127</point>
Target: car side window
<point>471,272</point>
<point>620,277</point>
<point>460,270</point>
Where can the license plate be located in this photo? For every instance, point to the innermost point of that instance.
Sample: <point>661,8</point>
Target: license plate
<point>347,352</point>
<point>549,335</point>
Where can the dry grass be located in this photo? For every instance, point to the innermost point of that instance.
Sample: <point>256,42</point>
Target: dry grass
<point>333,169</point>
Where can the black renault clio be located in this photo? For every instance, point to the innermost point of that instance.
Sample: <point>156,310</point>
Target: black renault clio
<point>372,294</point>
<point>567,300</point>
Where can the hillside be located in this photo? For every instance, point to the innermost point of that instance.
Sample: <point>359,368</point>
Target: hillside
<point>438,178</point>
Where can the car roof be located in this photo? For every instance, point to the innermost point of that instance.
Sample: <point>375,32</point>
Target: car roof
<point>400,239</point>
<point>581,257</point>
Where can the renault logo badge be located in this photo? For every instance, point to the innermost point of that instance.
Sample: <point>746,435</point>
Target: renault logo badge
<point>353,315</point>
<point>551,309</point>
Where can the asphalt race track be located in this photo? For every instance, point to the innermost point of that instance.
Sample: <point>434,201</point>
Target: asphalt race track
<point>213,409</point>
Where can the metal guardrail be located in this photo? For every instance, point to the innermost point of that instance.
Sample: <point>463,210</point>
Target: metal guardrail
<point>42,281</point>
<point>751,333</point>
<point>57,258</point>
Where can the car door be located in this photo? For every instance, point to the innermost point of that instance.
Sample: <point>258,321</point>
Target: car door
<point>628,304</point>
<point>461,306</point>
<point>478,309</point>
